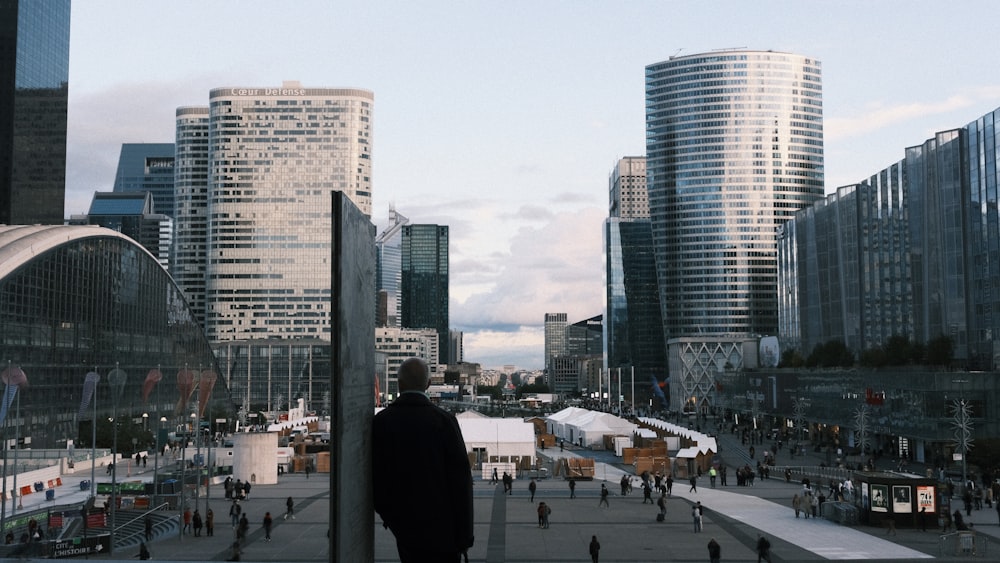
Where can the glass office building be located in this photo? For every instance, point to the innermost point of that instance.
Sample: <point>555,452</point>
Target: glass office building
<point>912,251</point>
<point>34,87</point>
<point>734,147</point>
<point>187,265</point>
<point>424,287</point>
<point>148,167</point>
<point>389,269</point>
<point>266,161</point>
<point>79,299</point>
<point>633,322</point>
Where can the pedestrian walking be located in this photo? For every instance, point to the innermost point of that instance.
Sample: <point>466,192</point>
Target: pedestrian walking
<point>289,508</point>
<point>604,497</point>
<point>647,493</point>
<point>670,485</point>
<point>187,521</point>
<point>543,515</point>
<point>234,513</point>
<point>532,486</point>
<point>696,515</point>
<point>210,523</point>
<point>796,504</point>
<point>572,491</point>
<point>148,526</point>
<point>268,523</point>
<point>197,523</point>
<point>307,470</point>
<point>694,484</point>
<point>763,549</point>
<point>714,551</point>
<point>246,490</point>
<point>241,529</point>
<point>662,503</point>
<point>595,549</point>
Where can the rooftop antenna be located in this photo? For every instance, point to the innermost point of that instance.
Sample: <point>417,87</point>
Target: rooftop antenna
<point>731,48</point>
<point>677,53</point>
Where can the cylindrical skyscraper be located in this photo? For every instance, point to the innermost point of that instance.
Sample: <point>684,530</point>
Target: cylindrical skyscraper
<point>734,146</point>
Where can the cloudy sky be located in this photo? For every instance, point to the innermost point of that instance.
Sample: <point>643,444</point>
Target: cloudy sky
<point>504,119</point>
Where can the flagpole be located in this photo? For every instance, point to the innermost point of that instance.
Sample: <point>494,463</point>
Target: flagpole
<point>3,501</point>
<point>93,443</point>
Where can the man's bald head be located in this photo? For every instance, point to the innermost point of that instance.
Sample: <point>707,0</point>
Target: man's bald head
<point>413,375</point>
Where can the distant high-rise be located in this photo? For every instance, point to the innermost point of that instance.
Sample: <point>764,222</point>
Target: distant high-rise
<point>734,146</point>
<point>424,282</point>
<point>34,87</point>
<point>253,176</point>
<point>633,324</point>
<point>389,269</point>
<point>555,338</point>
<point>132,215</point>
<point>148,167</point>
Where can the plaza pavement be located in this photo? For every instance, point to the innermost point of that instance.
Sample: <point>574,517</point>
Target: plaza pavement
<point>506,526</point>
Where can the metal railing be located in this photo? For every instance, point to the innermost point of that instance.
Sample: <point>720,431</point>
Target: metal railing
<point>964,543</point>
<point>123,540</point>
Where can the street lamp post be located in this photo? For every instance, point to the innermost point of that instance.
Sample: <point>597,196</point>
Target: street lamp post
<point>156,460</point>
<point>195,428</point>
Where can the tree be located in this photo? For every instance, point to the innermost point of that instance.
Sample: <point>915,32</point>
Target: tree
<point>898,350</point>
<point>792,359</point>
<point>940,351</point>
<point>530,388</point>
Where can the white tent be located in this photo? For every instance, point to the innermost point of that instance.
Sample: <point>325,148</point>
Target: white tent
<point>498,437</point>
<point>588,428</point>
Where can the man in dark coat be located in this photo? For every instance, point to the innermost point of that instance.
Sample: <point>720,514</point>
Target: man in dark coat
<point>421,474</point>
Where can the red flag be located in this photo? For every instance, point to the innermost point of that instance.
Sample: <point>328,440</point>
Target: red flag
<point>205,386</point>
<point>152,378</point>
<point>185,386</point>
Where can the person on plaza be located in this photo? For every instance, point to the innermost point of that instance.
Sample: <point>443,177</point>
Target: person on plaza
<point>289,508</point>
<point>508,483</point>
<point>147,524</point>
<point>670,485</point>
<point>714,551</point>
<point>543,515</point>
<point>494,479</point>
<point>197,522</point>
<point>433,497</point>
<point>268,523</point>
<point>796,504</point>
<point>694,484</point>
<point>696,514</point>
<point>307,470</point>
<point>763,549</point>
<point>209,523</point>
<point>143,551</point>
<point>234,513</point>
<point>145,458</point>
<point>227,485</point>
<point>595,549</point>
<point>572,489</point>
<point>235,552</point>
<point>647,493</point>
<point>242,528</point>
<point>662,504</point>
<point>624,483</point>
<point>814,505</point>
<point>246,490</point>
<point>238,489</point>
<point>711,477</point>
<point>532,486</point>
<point>187,521</point>
<point>604,497</point>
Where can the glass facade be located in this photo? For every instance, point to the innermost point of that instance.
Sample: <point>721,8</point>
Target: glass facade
<point>555,338</point>
<point>148,167</point>
<point>424,282</point>
<point>191,206</point>
<point>90,299</point>
<point>34,85</point>
<point>734,147</point>
<point>912,251</point>
<point>264,375</point>
<point>633,321</point>
<point>389,269</point>
<point>275,156</point>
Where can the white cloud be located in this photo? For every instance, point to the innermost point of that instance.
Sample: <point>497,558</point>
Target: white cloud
<point>878,116</point>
